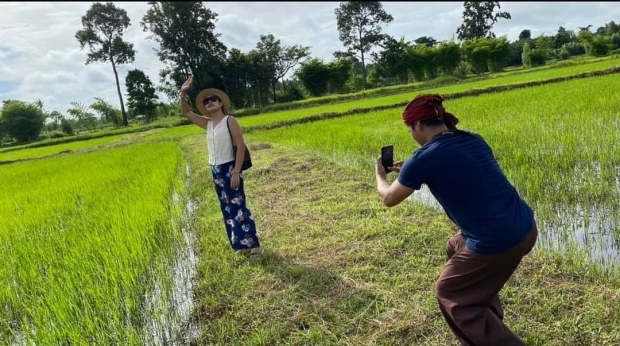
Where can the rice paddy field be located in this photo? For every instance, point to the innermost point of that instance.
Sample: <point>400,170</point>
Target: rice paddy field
<point>557,144</point>
<point>121,241</point>
<point>83,240</point>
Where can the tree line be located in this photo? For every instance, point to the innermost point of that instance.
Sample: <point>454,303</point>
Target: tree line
<point>189,45</point>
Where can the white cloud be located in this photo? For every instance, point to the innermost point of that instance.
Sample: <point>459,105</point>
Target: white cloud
<point>41,59</point>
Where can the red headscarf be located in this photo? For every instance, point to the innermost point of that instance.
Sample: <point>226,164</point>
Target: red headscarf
<point>425,107</point>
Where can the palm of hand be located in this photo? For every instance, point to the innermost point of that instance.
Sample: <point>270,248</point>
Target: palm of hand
<point>188,84</point>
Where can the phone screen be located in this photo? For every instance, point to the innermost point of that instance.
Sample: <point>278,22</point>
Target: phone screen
<point>387,157</point>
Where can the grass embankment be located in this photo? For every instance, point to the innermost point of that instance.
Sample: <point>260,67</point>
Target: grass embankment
<point>341,269</point>
<point>557,143</point>
<point>83,241</point>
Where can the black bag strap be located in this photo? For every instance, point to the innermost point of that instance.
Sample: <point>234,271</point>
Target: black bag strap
<point>228,126</point>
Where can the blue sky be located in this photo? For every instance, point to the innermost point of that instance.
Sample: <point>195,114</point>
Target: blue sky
<point>40,57</point>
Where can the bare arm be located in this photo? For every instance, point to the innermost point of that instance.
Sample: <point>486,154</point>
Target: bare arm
<point>191,116</point>
<point>237,135</point>
<point>392,195</point>
<point>395,193</point>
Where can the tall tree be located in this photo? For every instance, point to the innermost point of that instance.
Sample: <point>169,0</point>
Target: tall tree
<point>142,97</point>
<point>188,44</point>
<point>359,27</point>
<point>280,58</point>
<point>104,26</point>
<point>478,19</point>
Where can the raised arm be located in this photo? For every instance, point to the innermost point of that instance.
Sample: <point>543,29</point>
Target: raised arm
<point>191,116</point>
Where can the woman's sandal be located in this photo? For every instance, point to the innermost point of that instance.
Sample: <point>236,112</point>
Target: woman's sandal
<point>256,254</point>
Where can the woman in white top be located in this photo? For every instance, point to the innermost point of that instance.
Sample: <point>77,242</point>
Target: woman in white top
<point>225,167</point>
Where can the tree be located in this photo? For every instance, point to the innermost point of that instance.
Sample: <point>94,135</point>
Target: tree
<point>448,56</point>
<point>611,28</point>
<point>22,121</point>
<point>359,27</point>
<point>104,26</point>
<point>142,97</point>
<point>393,59</point>
<point>339,71</point>
<point>188,44</point>
<point>478,52</point>
<point>525,34</point>
<point>106,112</point>
<point>500,52</point>
<point>280,59</point>
<point>56,119</point>
<point>563,37</point>
<point>478,19</point>
<point>426,40</point>
<point>314,74</point>
<point>236,77</point>
<point>83,115</point>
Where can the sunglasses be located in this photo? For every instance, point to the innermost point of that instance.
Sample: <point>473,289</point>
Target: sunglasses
<point>210,99</point>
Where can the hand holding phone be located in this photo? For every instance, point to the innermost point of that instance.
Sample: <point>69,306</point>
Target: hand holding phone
<point>387,157</point>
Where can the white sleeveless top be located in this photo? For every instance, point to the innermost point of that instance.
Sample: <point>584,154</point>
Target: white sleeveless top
<point>219,143</point>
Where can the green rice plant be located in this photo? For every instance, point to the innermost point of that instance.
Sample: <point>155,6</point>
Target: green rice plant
<point>557,143</point>
<point>82,239</point>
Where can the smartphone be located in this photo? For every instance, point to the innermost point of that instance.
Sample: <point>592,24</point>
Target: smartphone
<point>387,157</point>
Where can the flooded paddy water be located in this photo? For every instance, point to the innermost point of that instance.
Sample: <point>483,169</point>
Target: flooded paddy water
<point>593,233</point>
<point>168,307</point>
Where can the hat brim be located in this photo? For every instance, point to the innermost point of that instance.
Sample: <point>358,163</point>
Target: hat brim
<point>211,92</point>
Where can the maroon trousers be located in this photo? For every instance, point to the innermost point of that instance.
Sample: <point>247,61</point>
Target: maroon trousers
<point>468,289</point>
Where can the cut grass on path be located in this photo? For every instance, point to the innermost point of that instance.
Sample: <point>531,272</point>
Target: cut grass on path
<point>341,269</point>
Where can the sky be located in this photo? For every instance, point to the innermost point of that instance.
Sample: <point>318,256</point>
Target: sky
<point>41,59</point>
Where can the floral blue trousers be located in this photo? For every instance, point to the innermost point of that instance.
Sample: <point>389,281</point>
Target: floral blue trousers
<point>239,222</point>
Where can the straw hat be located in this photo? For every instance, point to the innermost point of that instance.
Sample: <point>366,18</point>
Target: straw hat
<point>212,92</point>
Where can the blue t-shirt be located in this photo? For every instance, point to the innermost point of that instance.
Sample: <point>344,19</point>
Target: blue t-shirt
<point>463,175</point>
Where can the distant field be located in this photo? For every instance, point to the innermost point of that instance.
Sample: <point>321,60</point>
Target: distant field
<point>28,153</point>
<point>543,74</point>
<point>38,152</point>
<point>397,89</point>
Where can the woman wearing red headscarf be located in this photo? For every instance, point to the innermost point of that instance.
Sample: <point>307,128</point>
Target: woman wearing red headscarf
<point>497,227</point>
